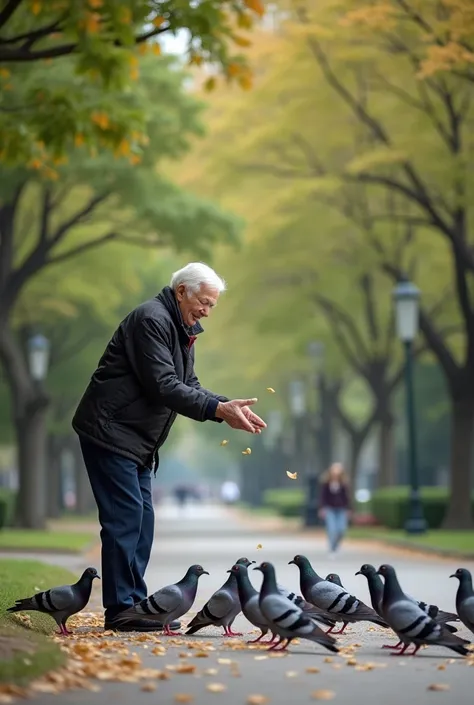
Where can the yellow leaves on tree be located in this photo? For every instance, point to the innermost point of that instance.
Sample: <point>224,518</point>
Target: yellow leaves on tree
<point>256,6</point>
<point>378,16</point>
<point>35,7</point>
<point>158,21</point>
<point>92,22</point>
<point>445,58</point>
<point>101,119</point>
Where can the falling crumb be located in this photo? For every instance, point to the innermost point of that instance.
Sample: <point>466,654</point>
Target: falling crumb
<point>247,451</point>
<point>270,390</point>
<point>259,546</point>
<point>257,700</point>
<point>216,687</point>
<point>292,475</point>
<point>323,694</point>
<point>439,686</point>
<point>148,687</point>
<point>224,443</point>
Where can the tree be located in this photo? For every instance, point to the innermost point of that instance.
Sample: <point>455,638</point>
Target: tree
<point>95,200</point>
<point>103,39</point>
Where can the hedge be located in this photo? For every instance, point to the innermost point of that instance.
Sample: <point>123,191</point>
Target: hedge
<point>287,503</point>
<point>7,507</point>
<point>390,505</point>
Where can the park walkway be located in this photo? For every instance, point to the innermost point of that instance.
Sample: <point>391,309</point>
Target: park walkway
<point>215,537</point>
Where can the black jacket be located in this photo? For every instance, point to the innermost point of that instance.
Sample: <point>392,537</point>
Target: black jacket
<point>143,380</point>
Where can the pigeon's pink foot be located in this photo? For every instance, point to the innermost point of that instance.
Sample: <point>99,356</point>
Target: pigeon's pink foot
<point>255,641</point>
<point>167,632</point>
<point>273,647</point>
<point>415,650</point>
<point>328,631</point>
<point>401,652</point>
<point>393,646</point>
<point>228,632</point>
<point>340,630</point>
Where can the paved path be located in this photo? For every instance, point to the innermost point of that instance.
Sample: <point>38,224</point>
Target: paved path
<point>216,537</point>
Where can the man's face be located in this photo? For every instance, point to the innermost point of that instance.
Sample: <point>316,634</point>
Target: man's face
<point>195,305</point>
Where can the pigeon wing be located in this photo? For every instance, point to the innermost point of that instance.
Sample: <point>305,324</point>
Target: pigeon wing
<point>221,603</point>
<point>61,599</point>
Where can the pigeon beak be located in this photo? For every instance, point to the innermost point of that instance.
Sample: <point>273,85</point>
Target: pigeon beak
<point>229,571</point>
<point>453,576</point>
<point>378,572</point>
<point>204,572</point>
<point>291,563</point>
<point>258,568</point>
<point>252,562</point>
<point>358,573</point>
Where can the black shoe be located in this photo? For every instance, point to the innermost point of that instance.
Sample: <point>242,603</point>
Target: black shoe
<point>132,623</point>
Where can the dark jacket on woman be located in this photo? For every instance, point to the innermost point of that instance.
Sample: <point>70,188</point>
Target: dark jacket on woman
<point>334,500</point>
<point>143,380</point>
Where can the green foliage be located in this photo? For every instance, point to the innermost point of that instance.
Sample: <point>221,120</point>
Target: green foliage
<point>56,541</point>
<point>390,505</point>
<point>7,507</point>
<point>102,41</point>
<point>287,503</point>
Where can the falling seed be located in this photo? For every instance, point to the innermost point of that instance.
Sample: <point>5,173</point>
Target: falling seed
<point>271,390</point>
<point>439,686</point>
<point>224,443</point>
<point>259,546</point>
<point>216,687</point>
<point>292,475</point>
<point>247,451</point>
<point>323,694</point>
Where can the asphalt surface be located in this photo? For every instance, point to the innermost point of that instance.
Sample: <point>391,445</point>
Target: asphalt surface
<point>228,670</point>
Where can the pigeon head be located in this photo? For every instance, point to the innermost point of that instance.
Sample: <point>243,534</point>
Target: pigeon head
<point>244,561</point>
<point>334,578</point>
<point>366,570</point>
<point>90,574</point>
<point>300,561</point>
<point>461,574</point>
<point>197,570</point>
<point>265,568</point>
<point>239,569</point>
<point>386,570</point>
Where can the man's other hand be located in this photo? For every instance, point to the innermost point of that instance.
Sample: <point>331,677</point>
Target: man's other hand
<point>236,414</point>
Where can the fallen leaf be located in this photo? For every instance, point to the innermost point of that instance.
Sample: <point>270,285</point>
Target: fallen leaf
<point>439,686</point>
<point>323,694</point>
<point>148,687</point>
<point>257,700</point>
<point>247,451</point>
<point>186,668</point>
<point>216,687</point>
<point>259,546</point>
<point>183,698</point>
<point>271,390</point>
<point>224,443</point>
<point>441,667</point>
<point>292,475</point>
<point>328,659</point>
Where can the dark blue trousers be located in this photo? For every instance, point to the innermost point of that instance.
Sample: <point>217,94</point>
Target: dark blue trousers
<point>122,491</point>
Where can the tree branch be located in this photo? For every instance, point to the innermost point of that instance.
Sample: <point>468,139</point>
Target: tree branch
<point>8,11</point>
<point>366,285</point>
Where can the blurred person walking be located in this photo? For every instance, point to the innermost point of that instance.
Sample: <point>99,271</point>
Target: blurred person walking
<point>335,505</point>
<point>144,379</point>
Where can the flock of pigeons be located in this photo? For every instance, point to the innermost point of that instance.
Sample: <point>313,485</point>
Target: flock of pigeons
<point>288,616</point>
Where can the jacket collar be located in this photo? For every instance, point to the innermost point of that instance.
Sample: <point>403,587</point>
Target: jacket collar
<point>168,299</point>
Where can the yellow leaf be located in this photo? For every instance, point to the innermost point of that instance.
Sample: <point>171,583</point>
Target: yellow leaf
<point>271,390</point>
<point>256,6</point>
<point>156,48</point>
<point>35,164</point>
<point>210,84</point>
<point>134,74</point>
<point>124,148</point>
<point>142,49</point>
<point>101,120</point>
<point>95,4</point>
<point>241,41</point>
<point>245,82</point>
<point>135,159</point>
<point>244,20</point>
<point>5,73</point>
<point>292,475</point>
<point>92,23</point>
<point>224,443</point>
<point>195,59</point>
<point>125,15</point>
<point>36,7</point>
<point>78,139</point>
<point>234,69</point>
<point>247,451</point>
<point>158,21</point>
<point>259,546</point>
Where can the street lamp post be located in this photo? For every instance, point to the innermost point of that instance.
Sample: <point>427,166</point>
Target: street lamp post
<point>406,297</point>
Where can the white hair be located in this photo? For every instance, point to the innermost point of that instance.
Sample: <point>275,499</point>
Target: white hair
<point>194,274</point>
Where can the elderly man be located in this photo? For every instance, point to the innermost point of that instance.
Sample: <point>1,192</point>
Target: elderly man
<point>143,380</point>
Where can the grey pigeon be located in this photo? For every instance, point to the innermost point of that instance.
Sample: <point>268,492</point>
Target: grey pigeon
<point>309,609</point>
<point>60,602</point>
<point>285,618</point>
<point>222,608</point>
<point>375,584</point>
<point>172,601</point>
<point>465,598</point>
<point>334,578</point>
<point>410,623</point>
<point>249,597</point>
<point>337,603</point>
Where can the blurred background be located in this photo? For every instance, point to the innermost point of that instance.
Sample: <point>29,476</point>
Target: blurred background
<point>321,164</point>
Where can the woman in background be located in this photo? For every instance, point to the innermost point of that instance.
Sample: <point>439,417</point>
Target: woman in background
<point>335,505</point>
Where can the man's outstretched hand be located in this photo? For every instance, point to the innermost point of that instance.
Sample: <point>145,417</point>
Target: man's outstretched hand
<point>237,414</point>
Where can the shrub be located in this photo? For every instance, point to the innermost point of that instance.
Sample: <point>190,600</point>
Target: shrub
<point>7,507</point>
<point>287,503</point>
<point>390,505</point>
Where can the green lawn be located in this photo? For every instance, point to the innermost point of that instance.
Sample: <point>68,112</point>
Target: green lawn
<point>26,651</point>
<point>31,540</point>
<point>456,541</point>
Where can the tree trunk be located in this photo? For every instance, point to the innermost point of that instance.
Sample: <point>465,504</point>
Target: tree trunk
<point>459,514</point>
<point>356,444</point>
<point>84,497</point>
<point>55,505</point>
<point>31,439</point>
<point>386,474</point>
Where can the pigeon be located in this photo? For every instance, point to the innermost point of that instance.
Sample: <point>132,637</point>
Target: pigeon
<point>411,624</point>
<point>465,598</point>
<point>60,602</point>
<point>309,609</point>
<point>337,603</point>
<point>222,608</point>
<point>249,597</point>
<point>285,618</point>
<point>334,578</point>
<point>172,601</point>
<point>375,584</point>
